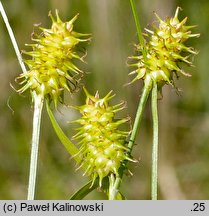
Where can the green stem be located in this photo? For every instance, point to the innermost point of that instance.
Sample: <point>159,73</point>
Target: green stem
<point>145,93</point>
<point>12,37</point>
<point>112,192</point>
<point>138,27</point>
<point>155,143</point>
<point>38,105</point>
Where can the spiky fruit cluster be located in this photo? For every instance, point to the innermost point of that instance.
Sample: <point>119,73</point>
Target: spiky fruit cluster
<point>102,143</point>
<point>164,50</point>
<point>51,69</point>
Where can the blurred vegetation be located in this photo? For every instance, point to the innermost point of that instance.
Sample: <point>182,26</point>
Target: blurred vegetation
<point>184,118</point>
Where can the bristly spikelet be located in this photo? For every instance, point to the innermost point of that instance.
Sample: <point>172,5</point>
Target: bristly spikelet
<point>102,144</point>
<point>165,49</point>
<point>51,69</point>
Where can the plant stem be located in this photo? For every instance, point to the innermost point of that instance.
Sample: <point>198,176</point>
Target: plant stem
<point>12,37</point>
<point>138,27</point>
<point>112,192</point>
<point>38,105</point>
<point>145,93</point>
<point>155,143</point>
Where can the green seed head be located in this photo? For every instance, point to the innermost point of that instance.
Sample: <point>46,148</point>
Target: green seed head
<point>165,49</point>
<point>102,143</point>
<point>51,67</point>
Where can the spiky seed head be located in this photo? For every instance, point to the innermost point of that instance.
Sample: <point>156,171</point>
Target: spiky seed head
<point>51,67</point>
<point>102,147</point>
<point>165,49</point>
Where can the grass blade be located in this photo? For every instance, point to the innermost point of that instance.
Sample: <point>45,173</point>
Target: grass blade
<point>71,148</point>
<point>85,190</point>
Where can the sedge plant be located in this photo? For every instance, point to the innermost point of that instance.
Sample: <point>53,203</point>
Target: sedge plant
<point>102,145</point>
<point>51,70</point>
<point>158,60</point>
<point>103,150</point>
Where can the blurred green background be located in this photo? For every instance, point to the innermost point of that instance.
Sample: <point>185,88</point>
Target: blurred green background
<point>184,118</point>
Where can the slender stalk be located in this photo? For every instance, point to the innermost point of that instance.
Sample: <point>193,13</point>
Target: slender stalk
<point>38,105</point>
<point>12,37</point>
<point>112,192</point>
<point>138,28</point>
<point>155,143</point>
<point>145,93</point>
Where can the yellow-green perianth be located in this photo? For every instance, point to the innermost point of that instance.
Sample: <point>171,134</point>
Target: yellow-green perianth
<point>165,49</point>
<point>102,143</point>
<point>51,68</point>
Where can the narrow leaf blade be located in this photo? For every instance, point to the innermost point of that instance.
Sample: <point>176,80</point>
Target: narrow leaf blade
<point>71,148</point>
<point>85,190</point>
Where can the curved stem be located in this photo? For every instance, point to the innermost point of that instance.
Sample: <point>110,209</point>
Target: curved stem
<point>12,37</point>
<point>145,93</point>
<point>155,143</point>
<point>138,27</point>
<point>38,105</point>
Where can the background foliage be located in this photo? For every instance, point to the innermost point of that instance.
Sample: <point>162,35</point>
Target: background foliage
<point>184,118</point>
